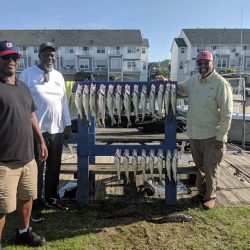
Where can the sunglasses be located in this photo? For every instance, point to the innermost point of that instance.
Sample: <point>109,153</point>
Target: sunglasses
<point>9,57</point>
<point>206,63</point>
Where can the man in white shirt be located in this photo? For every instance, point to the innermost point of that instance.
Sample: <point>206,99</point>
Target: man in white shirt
<point>48,91</point>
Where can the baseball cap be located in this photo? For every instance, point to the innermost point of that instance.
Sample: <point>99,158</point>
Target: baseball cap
<point>7,47</point>
<point>204,55</point>
<point>46,45</point>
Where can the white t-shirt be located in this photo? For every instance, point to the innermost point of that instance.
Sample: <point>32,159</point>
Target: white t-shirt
<point>50,99</point>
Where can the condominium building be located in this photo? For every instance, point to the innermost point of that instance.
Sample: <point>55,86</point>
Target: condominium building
<point>102,53</point>
<point>230,48</point>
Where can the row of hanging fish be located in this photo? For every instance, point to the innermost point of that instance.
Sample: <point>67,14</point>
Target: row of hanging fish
<point>90,101</point>
<point>147,163</point>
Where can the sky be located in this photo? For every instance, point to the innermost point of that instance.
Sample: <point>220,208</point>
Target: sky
<point>160,21</point>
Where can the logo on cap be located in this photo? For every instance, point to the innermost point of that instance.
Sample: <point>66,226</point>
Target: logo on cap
<point>9,45</point>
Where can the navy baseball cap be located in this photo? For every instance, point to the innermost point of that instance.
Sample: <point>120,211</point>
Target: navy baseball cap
<point>7,47</point>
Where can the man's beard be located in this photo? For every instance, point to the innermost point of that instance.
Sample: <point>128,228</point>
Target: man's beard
<point>48,68</point>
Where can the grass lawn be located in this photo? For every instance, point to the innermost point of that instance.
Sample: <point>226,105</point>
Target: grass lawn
<point>118,225</point>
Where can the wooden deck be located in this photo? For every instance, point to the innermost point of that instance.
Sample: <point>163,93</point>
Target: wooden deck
<point>233,181</point>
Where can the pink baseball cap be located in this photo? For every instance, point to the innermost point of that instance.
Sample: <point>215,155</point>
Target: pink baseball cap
<point>204,55</point>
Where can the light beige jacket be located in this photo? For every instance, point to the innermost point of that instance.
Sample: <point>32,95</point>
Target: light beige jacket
<point>210,106</point>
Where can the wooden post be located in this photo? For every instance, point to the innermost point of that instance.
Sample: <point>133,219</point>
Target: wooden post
<point>82,194</point>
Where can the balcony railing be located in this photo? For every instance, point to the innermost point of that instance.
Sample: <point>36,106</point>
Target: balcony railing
<point>114,52</point>
<point>83,53</point>
<point>132,69</point>
<point>100,69</point>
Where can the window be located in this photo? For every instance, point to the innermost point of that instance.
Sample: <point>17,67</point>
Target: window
<point>83,63</point>
<point>233,50</point>
<point>222,62</point>
<point>214,47</point>
<point>181,65</point>
<point>131,50</point>
<point>248,63</point>
<point>143,51</point>
<point>131,64</point>
<point>69,50</point>
<point>116,63</point>
<point>100,64</point>
<point>182,50</point>
<point>36,62</point>
<point>100,50</point>
<point>36,49</point>
<point>69,64</point>
<point>118,50</point>
<point>144,65</point>
<point>22,64</point>
<point>85,50</point>
<point>200,48</point>
<point>22,48</point>
<point>232,62</point>
<point>244,47</point>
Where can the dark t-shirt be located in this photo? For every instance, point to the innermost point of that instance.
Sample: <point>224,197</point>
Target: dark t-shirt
<point>16,134</point>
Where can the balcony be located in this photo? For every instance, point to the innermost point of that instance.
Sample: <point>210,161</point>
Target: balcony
<point>219,52</point>
<point>68,69</point>
<point>83,53</point>
<point>114,52</point>
<point>100,69</point>
<point>134,69</point>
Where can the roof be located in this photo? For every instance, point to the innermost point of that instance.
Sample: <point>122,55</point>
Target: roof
<point>180,42</point>
<point>74,37</point>
<point>217,36</point>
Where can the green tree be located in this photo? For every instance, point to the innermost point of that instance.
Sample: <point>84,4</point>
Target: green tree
<point>81,76</point>
<point>162,71</point>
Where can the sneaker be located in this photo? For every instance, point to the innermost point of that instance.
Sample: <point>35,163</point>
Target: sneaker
<point>209,204</point>
<point>29,238</point>
<point>37,216</point>
<point>54,203</point>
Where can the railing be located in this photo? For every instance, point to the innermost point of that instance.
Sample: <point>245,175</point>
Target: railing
<point>132,69</point>
<point>100,69</point>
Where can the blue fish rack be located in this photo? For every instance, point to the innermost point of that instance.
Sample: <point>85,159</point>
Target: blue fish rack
<point>87,148</point>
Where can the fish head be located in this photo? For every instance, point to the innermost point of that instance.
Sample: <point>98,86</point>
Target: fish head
<point>127,89</point>
<point>168,87</point>
<point>169,154</point>
<point>173,88</point>
<point>118,153</point>
<point>144,89</point>
<point>136,88</point>
<point>134,152</point>
<point>152,88</point>
<point>161,88</point>
<point>160,151</point>
<point>111,88</point>
<point>102,89</point>
<point>92,88</point>
<point>86,89</point>
<point>143,152</point>
<point>151,152</point>
<point>79,88</point>
<point>119,89</point>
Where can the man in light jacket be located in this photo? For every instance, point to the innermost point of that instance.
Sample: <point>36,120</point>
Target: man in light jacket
<point>210,107</point>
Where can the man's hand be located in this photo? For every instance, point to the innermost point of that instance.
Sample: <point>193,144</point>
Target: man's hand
<point>43,152</point>
<point>218,144</point>
<point>67,132</point>
<point>161,78</point>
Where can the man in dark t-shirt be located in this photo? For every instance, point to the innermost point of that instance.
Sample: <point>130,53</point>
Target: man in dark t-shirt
<point>18,169</point>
